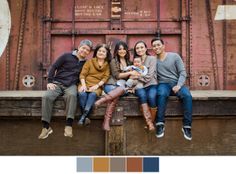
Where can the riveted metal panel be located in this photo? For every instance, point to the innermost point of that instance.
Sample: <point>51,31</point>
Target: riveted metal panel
<point>43,30</point>
<point>24,51</point>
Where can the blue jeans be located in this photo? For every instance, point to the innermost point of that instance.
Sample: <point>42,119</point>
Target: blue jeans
<point>164,90</point>
<point>108,88</point>
<point>86,100</point>
<point>147,95</point>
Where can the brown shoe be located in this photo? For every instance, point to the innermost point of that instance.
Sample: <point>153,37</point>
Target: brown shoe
<point>45,133</point>
<point>68,131</point>
<point>87,121</point>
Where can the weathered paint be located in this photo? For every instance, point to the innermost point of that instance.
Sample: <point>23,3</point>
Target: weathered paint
<point>52,27</point>
<point>227,12</point>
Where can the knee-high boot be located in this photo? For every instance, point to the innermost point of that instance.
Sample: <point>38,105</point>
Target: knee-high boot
<point>147,116</point>
<point>117,92</point>
<point>110,109</point>
<point>153,113</point>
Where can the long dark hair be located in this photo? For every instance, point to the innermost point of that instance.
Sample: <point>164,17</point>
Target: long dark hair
<point>116,55</point>
<point>108,56</point>
<point>135,53</point>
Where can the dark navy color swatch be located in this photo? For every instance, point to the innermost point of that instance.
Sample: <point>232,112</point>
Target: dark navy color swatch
<point>150,164</point>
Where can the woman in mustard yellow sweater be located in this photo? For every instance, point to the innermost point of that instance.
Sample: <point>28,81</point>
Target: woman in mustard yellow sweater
<point>94,74</point>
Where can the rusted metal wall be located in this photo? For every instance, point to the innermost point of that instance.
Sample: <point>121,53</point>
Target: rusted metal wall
<point>42,30</point>
<point>24,51</point>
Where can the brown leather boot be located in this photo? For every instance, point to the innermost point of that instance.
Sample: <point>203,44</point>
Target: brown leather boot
<point>147,116</point>
<point>146,126</point>
<point>110,109</point>
<point>117,92</point>
<point>153,113</point>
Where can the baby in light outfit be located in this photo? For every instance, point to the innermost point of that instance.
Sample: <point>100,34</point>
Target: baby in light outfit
<point>132,84</point>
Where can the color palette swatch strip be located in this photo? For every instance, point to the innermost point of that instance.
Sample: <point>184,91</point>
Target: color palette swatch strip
<point>118,164</point>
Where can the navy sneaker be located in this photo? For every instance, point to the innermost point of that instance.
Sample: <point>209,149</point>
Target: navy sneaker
<point>160,130</point>
<point>187,133</point>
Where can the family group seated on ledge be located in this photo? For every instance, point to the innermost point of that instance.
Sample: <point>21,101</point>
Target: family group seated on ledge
<point>151,78</point>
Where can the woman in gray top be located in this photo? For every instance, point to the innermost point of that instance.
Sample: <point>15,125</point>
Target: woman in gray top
<point>147,95</point>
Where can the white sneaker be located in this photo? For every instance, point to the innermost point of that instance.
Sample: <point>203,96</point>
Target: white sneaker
<point>68,131</point>
<point>45,133</point>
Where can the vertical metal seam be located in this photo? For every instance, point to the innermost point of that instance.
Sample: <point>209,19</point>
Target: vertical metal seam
<point>158,19</point>
<point>109,12</point>
<point>8,59</point>
<point>225,68</point>
<point>184,3</point>
<point>73,26</point>
<point>190,13</point>
<point>44,52</point>
<point>41,29</point>
<point>20,44</point>
<point>47,5</point>
<point>8,66</point>
<point>122,15</point>
<point>48,28</point>
<point>181,26</point>
<point>184,22</point>
<point>212,45</point>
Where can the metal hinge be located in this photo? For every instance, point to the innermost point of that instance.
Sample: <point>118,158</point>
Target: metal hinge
<point>185,18</point>
<point>46,19</point>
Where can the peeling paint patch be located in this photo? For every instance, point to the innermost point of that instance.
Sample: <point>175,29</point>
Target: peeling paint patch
<point>227,12</point>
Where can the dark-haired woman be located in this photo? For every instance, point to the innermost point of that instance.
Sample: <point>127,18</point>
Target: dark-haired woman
<point>121,59</point>
<point>94,74</point>
<point>147,95</point>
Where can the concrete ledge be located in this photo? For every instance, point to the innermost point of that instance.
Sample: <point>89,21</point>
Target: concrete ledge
<point>28,103</point>
<point>197,94</point>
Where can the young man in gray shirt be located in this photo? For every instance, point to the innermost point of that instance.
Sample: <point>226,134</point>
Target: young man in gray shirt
<point>171,77</point>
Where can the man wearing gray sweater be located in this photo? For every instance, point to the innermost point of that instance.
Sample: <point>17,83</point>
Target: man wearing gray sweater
<point>171,77</point>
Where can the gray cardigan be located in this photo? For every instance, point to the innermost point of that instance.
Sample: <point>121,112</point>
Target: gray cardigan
<point>151,77</point>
